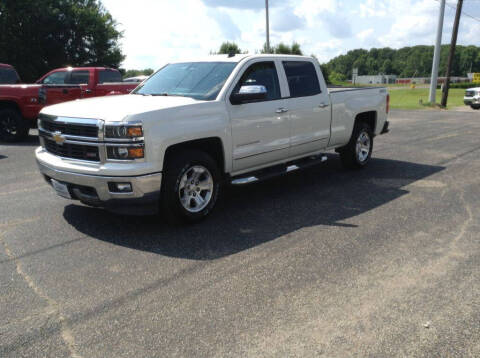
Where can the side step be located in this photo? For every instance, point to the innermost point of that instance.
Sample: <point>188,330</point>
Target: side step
<point>278,170</point>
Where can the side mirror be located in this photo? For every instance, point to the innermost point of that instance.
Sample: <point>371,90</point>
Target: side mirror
<point>249,94</point>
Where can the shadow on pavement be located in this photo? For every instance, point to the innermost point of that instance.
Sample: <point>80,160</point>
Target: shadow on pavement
<point>3,156</point>
<point>255,214</point>
<point>31,140</point>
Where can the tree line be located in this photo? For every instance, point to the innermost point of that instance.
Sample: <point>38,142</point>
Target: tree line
<point>37,36</point>
<point>413,61</point>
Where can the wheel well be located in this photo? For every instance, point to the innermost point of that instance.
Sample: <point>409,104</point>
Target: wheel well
<point>9,104</point>
<point>212,146</point>
<point>368,117</point>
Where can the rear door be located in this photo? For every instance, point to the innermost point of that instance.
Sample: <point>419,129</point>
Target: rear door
<point>260,130</point>
<point>106,77</point>
<point>83,79</point>
<point>309,107</point>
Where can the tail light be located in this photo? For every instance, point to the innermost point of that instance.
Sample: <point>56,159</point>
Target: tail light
<point>388,103</point>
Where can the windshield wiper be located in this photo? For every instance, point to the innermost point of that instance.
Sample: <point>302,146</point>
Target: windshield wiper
<point>160,94</point>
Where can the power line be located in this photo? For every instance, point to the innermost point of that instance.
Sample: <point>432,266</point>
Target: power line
<point>463,12</point>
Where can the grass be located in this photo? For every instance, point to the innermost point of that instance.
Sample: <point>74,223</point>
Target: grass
<point>408,98</point>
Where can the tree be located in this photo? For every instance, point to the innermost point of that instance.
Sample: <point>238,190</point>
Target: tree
<point>228,48</point>
<point>135,73</point>
<point>284,49</point>
<point>38,36</point>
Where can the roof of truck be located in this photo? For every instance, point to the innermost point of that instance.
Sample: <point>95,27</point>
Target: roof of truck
<point>4,65</point>
<point>238,58</point>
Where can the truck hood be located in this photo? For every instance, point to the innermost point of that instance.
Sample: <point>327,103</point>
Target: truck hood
<point>116,108</point>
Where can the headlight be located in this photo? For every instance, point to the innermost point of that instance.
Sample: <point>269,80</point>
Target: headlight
<point>125,152</point>
<point>124,131</point>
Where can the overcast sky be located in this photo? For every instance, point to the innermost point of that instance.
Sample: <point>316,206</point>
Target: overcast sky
<point>159,31</point>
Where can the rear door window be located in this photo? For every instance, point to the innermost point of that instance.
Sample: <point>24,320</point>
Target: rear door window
<point>79,77</point>
<point>109,76</point>
<point>302,78</point>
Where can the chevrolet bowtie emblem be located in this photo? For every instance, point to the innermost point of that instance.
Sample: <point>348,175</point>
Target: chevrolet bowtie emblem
<point>58,138</point>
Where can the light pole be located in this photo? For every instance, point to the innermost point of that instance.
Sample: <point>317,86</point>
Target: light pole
<point>436,53</point>
<point>268,30</point>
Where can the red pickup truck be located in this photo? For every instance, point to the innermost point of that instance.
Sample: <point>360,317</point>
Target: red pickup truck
<point>20,104</point>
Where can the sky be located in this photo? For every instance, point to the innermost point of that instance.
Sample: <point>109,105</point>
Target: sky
<point>161,31</point>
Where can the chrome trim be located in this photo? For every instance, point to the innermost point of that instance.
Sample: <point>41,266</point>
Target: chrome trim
<point>242,181</point>
<point>49,134</point>
<point>69,120</point>
<point>107,144</point>
<point>91,144</point>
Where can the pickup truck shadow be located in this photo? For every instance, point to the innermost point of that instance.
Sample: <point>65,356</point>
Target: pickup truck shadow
<point>255,214</point>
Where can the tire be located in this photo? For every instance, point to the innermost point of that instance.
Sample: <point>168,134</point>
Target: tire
<point>180,200</point>
<point>356,154</point>
<point>13,127</point>
<point>475,107</point>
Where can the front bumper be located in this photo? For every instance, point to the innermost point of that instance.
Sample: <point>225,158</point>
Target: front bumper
<point>471,100</point>
<point>94,190</point>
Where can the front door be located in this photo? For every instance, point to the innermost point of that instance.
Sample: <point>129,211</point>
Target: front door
<point>260,130</point>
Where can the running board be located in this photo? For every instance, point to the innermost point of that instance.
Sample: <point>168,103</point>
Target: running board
<point>278,170</point>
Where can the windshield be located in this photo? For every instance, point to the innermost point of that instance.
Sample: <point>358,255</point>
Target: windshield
<point>8,76</point>
<point>198,80</point>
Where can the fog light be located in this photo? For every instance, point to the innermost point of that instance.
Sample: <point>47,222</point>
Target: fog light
<point>120,187</point>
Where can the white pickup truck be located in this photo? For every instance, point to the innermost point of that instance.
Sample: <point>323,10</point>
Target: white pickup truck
<point>172,144</point>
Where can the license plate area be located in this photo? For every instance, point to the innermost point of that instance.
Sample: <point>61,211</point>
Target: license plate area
<point>61,188</point>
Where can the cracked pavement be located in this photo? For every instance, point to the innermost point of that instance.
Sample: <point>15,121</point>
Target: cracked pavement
<point>324,262</point>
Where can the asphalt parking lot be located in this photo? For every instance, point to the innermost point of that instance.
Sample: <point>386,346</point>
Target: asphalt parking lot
<point>382,262</point>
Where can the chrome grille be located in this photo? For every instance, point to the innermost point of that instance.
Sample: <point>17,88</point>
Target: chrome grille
<point>82,130</point>
<point>75,151</point>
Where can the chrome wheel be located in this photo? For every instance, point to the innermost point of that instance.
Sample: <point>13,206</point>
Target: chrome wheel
<point>195,189</point>
<point>363,146</point>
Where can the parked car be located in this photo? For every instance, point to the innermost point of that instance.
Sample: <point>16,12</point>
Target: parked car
<point>20,104</point>
<point>177,138</point>
<point>8,74</point>
<point>472,97</point>
<point>135,79</point>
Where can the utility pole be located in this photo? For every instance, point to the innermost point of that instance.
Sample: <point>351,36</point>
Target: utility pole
<point>436,53</point>
<point>268,27</point>
<point>452,52</point>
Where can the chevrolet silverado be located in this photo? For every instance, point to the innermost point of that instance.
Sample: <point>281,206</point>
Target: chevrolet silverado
<point>192,127</point>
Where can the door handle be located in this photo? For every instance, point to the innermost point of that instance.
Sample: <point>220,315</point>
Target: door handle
<point>88,91</point>
<point>323,105</point>
<point>281,110</point>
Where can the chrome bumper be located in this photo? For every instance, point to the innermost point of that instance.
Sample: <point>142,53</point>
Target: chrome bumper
<point>145,188</point>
